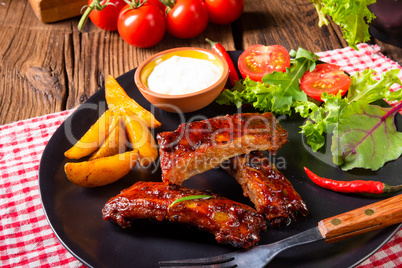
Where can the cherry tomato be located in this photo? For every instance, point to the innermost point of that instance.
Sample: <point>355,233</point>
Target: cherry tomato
<point>186,18</point>
<point>142,26</point>
<point>107,18</point>
<point>325,77</point>
<point>259,60</point>
<point>224,11</point>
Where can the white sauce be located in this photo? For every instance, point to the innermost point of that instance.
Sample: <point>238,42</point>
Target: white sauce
<point>182,75</point>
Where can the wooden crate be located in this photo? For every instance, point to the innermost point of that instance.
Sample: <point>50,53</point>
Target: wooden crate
<point>56,10</point>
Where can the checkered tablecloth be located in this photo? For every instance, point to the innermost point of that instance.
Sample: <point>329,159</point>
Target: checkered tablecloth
<point>26,239</point>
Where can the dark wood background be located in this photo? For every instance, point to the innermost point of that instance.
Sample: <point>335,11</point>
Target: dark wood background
<point>46,68</point>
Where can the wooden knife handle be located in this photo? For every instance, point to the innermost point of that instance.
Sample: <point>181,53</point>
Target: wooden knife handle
<point>371,217</point>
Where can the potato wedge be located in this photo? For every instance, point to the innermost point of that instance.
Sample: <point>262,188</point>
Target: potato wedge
<point>92,139</point>
<point>118,100</point>
<point>141,138</point>
<point>101,171</point>
<point>115,142</point>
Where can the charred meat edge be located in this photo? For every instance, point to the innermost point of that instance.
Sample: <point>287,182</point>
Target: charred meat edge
<point>231,222</point>
<point>202,145</point>
<point>270,191</point>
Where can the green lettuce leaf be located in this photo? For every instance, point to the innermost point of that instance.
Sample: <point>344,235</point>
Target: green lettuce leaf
<point>365,86</point>
<point>248,92</point>
<point>348,117</point>
<point>366,136</point>
<point>277,92</point>
<point>289,90</point>
<point>353,16</point>
<point>322,20</point>
<point>321,119</point>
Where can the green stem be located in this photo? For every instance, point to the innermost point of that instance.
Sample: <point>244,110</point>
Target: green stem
<point>169,5</point>
<point>134,4</point>
<point>212,43</point>
<point>190,197</point>
<point>85,16</point>
<point>95,5</point>
<point>389,189</point>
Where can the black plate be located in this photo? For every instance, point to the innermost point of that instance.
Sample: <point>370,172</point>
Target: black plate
<point>74,213</point>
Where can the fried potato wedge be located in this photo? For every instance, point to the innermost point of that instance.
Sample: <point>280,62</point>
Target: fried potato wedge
<point>92,139</point>
<point>118,100</point>
<point>141,138</point>
<point>101,171</point>
<point>115,142</point>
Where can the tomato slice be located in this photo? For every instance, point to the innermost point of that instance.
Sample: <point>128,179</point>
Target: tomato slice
<point>325,78</point>
<point>258,60</point>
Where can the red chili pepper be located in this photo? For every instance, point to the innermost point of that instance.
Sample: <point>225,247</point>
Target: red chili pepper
<point>218,48</point>
<point>356,186</point>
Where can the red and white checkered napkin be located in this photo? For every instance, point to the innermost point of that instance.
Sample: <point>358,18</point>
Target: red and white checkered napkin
<point>352,61</point>
<point>26,239</point>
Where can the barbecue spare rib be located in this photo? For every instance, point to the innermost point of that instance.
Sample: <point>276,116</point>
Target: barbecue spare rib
<point>202,145</point>
<point>231,222</point>
<point>272,194</point>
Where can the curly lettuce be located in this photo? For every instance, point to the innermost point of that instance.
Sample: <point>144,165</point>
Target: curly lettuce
<point>353,16</point>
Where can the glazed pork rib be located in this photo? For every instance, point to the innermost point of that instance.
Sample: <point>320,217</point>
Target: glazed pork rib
<point>202,145</point>
<point>272,194</point>
<point>231,222</point>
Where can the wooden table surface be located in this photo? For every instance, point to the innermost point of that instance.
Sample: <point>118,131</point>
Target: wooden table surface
<point>46,68</point>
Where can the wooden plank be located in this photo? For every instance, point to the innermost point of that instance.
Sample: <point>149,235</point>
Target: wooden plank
<point>292,24</point>
<point>34,75</point>
<point>47,68</point>
<point>392,52</point>
<point>267,22</point>
<point>31,64</point>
